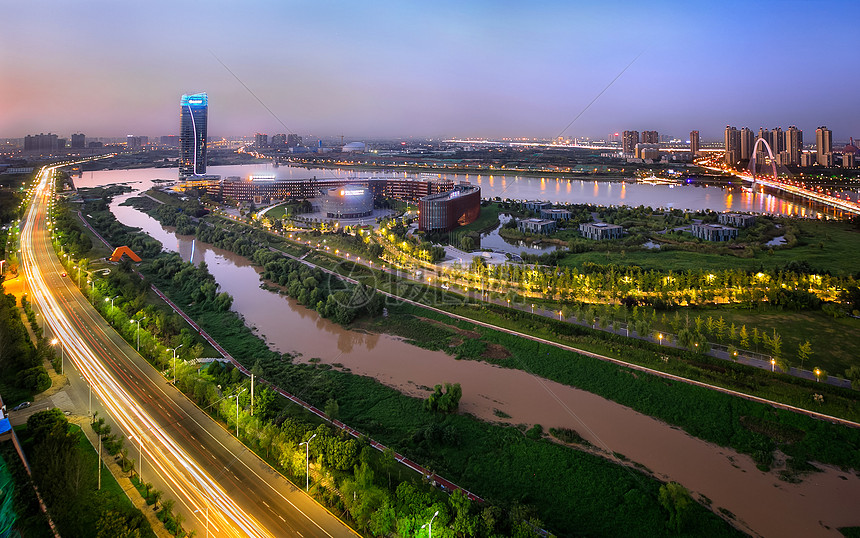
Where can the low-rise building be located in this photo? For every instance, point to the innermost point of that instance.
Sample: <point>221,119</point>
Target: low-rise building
<point>555,214</point>
<point>536,205</point>
<point>739,220</point>
<point>536,226</point>
<point>714,232</point>
<point>600,231</point>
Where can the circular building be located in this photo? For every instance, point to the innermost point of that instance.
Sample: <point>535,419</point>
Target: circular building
<point>347,202</point>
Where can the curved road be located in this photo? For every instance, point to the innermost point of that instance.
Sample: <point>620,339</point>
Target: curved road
<point>215,481</point>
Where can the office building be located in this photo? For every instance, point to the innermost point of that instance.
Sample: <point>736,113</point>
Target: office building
<point>193,119</point>
<point>446,211</point>
<point>793,145</point>
<point>629,139</point>
<point>849,160</point>
<point>733,145</point>
<point>600,231</point>
<point>536,226</point>
<point>79,141</point>
<point>555,214</point>
<point>650,137</point>
<point>694,143</point>
<point>261,140</point>
<point>714,232</point>
<point>824,146</point>
<point>739,220</point>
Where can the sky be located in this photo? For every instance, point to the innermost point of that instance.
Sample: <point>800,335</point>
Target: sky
<point>435,68</point>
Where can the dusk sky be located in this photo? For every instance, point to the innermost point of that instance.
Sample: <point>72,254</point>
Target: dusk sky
<point>429,69</point>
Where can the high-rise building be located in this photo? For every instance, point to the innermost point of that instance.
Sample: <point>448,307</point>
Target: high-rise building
<point>694,143</point>
<point>650,137</point>
<point>279,140</point>
<point>294,140</point>
<point>777,140</point>
<point>629,139</point>
<point>40,142</point>
<point>849,160</point>
<point>261,140</point>
<point>747,143</point>
<point>170,140</point>
<point>193,119</point>
<point>133,142</point>
<point>824,145</point>
<point>733,145</point>
<point>793,144</point>
<point>79,141</point>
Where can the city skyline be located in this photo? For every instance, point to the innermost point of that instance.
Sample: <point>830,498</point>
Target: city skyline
<point>479,70</point>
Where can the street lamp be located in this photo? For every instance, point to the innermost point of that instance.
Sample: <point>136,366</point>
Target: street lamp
<point>818,375</point>
<point>559,315</point>
<point>207,518</point>
<point>533,308</point>
<point>660,338</point>
<point>174,361</point>
<point>138,331</point>
<point>773,365</point>
<point>111,300</point>
<point>140,445</point>
<point>237,411</point>
<point>54,342</point>
<point>430,525</point>
<point>308,462</point>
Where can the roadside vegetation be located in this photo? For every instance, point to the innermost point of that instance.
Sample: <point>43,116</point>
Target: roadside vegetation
<point>65,468</point>
<point>521,475</point>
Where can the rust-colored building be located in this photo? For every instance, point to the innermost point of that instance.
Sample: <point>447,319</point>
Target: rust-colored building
<point>446,211</point>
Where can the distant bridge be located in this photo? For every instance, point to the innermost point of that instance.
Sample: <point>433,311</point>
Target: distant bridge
<point>775,183</point>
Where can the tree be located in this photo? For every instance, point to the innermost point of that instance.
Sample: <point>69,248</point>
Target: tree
<point>745,337</point>
<point>265,404</point>
<point>853,374</point>
<point>113,524</point>
<point>676,500</point>
<point>332,409</point>
<point>804,351</point>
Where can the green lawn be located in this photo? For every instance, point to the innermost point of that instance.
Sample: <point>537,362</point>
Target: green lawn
<point>835,342</point>
<point>827,246</point>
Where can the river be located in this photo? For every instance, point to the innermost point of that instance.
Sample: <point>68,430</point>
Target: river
<point>762,503</point>
<point>694,195</point>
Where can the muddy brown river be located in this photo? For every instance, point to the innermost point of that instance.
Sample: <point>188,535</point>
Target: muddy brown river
<point>762,503</point>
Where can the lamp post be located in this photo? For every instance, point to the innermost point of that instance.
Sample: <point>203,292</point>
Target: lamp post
<point>111,300</point>
<point>818,375</point>
<point>308,462</point>
<point>237,411</point>
<point>660,338</point>
<point>174,361</point>
<point>140,445</point>
<point>138,331</point>
<point>207,518</point>
<point>430,525</point>
<point>772,365</point>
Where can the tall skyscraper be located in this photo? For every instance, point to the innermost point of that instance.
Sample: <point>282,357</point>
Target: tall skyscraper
<point>629,139</point>
<point>694,143</point>
<point>650,137</point>
<point>261,140</point>
<point>733,145</point>
<point>793,144</point>
<point>777,140</point>
<point>824,145</point>
<point>193,116</point>
<point>747,142</point>
<point>294,140</point>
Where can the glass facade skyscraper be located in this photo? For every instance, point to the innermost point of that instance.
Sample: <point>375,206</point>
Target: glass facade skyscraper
<point>194,110</point>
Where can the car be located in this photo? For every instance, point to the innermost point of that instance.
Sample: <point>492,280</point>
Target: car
<point>64,274</point>
<point>20,406</point>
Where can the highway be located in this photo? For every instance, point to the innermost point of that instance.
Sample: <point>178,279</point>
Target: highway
<point>220,487</point>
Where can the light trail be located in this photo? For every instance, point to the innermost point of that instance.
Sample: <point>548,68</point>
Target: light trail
<point>192,485</point>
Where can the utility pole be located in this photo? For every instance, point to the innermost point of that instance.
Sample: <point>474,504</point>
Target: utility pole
<point>252,395</point>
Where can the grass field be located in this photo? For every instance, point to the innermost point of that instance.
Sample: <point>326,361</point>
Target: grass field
<point>827,246</point>
<point>835,341</point>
